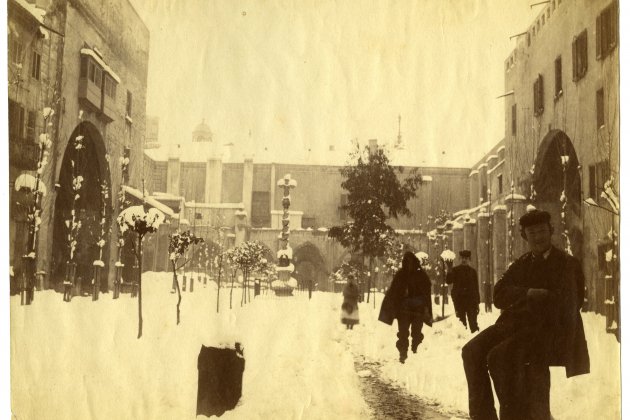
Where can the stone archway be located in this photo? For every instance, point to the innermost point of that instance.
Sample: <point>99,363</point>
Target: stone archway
<point>90,161</point>
<point>551,179</point>
<point>310,266</point>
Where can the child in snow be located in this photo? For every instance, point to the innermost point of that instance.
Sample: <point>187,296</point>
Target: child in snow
<point>350,306</point>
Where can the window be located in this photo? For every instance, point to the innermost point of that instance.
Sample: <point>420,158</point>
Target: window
<point>599,101</point>
<point>607,30</point>
<point>129,103</point>
<point>84,67</point>
<point>125,172</point>
<point>500,183</point>
<point>110,87</point>
<point>198,216</point>
<point>30,125</point>
<point>92,69</point>
<point>548,13</point>
<point>580,56</point>
<point>598,174</point>
<point>343,200</point>
<point>539,105</point>
<point>529,39</point>
<point>543,20</point>
<point>553,5</point>
<point>98,75</point>
<point>36,61</point>
<point>16,121</point>
<point>558,69</point>
<point>514,119</point>
<point>16,49</point>
<point>484,193</point>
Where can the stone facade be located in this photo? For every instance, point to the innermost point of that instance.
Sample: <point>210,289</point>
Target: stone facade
<point>100,94</point>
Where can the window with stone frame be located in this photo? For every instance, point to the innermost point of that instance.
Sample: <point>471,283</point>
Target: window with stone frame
<point>558,74</point>
<point>513,119</point>
<point>598,174</point>
<point>607,30</point>
<point>16,49</point>
<point>580,56</point>
<point>129,103</point>
<point>539,104</point>
<point>16,120</point>
<point>599,105</point>
<point>31,124</point>
<point>36,62</point>
<point>500,183</point>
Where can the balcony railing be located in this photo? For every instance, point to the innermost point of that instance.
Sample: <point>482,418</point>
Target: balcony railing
<point>23,154</point>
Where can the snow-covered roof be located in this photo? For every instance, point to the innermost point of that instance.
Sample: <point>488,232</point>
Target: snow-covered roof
<point>33,10</point>
<point>99,60</point>
<point>149,200</point>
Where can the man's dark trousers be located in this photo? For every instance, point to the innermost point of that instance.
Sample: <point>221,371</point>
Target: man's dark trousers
<point>406,319</point>
<point>522,384</point>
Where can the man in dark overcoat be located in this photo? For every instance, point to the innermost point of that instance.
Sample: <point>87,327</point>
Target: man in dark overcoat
<point>465,291</point>
<point>408,300</point>
<point>540,297</point>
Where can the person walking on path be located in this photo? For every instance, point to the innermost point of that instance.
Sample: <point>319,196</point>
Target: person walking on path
<point>408,300</point>
<point>540,296</point>
<point>465,292</point>
<point>350,305</point>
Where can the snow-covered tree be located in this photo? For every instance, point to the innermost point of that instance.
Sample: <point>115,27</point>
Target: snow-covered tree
<point>141,221</point>
<point>375,194</point>
<point>247,257</point>
<point>177,246</point>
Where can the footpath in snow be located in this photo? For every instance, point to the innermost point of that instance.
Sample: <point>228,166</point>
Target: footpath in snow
<point>82,360</point>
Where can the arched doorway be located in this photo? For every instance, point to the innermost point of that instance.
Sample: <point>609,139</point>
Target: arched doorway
<point>310,268</point>
<point>91,207</point>
<point>557,170</point>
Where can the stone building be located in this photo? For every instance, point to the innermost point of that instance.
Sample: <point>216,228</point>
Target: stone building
<point>561,144</point>
<point>98,97</point>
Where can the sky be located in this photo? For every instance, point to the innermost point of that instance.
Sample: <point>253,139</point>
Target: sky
<point>302,76</point>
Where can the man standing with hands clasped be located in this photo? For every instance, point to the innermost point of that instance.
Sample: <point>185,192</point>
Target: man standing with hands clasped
<point>540,297</point>
<point>465,292</point>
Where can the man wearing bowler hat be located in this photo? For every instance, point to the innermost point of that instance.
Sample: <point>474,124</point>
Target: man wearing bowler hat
<point>540,296</point>
<point>465,292</point>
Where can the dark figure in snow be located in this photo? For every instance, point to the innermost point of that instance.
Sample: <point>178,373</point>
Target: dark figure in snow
<point>408,300</point>
<point>350,305</point>
<point>465,292</point>
<point>540,296</point>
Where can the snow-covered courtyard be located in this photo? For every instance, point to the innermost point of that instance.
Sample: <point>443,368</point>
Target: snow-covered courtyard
<point>82,360</point>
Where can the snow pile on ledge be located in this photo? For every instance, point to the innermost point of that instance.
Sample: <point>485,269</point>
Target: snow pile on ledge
<point>447,255</point>
<point>285,252</point>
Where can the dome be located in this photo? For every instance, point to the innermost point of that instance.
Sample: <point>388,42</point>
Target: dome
<point>202,132</point>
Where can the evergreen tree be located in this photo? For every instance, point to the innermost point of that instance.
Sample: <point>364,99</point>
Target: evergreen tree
<point>377,191</point>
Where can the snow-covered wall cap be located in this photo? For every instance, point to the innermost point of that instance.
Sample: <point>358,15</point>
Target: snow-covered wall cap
<point>473,172</point>
<point>427,178</point>
<point>483,214</point>
<point>98,263</point>
<point>515,197</point>
<point>240,213</point>
<point>457,225</point>
<point>99,60</point>
<point>291,212</point>
<point>407,231</point>
<point>322,229</point>
<point>33,10</point>
<point>470,222</point>
<point>489,158</point>
<point>149,200</point>
<point>500,207</point>
<point>233,206</point>
<point>530,208</point>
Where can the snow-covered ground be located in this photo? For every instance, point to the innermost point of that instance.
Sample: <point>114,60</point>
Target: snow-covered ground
<point>82,360</point>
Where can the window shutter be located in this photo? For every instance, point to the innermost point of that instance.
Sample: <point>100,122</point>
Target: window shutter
<point>598,37</point>
<point>574,56</point>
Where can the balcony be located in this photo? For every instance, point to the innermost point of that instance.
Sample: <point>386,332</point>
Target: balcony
<point>90,94</point>
<point>23,154</point>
